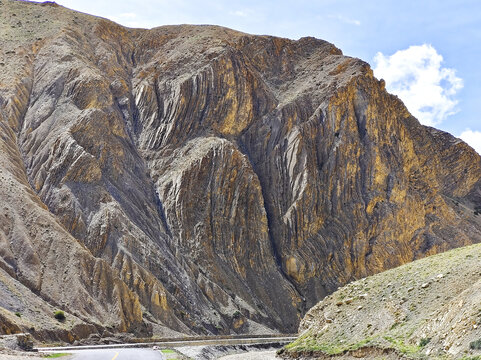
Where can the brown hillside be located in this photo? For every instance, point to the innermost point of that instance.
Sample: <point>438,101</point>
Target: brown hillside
<point>203,180</point>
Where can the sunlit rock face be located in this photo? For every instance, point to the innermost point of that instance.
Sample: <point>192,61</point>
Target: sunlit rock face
<point>204,180</point>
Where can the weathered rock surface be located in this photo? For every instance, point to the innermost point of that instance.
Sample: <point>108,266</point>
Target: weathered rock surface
<point>205,180</point>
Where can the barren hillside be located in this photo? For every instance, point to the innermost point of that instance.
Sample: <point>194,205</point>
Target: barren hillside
<point>196,179</point>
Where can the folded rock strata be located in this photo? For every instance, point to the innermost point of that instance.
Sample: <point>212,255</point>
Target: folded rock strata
<point>203,180</point>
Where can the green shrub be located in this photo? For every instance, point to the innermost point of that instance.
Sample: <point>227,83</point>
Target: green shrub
<point>59,315</point>
<point>237,314</point>
<point>56,355</point>
<point>168,351</point>
<point>424,341</point>
<point>19,314</point>
<point>475,345</point>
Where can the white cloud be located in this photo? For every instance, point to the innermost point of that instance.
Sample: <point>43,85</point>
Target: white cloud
<point>416,75</point>
<point>244,13</point>
<point>345,19</point>
<point>472,138</point>
<point>240,13</point>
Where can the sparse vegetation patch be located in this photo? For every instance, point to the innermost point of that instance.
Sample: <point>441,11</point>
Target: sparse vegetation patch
<point>56,355</point>
<point>424,341</point>
<point>59,315</point>
<point>475,345</point>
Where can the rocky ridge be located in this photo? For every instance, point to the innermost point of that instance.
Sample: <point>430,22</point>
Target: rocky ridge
<point>203,180</point>
<point>427,309</point>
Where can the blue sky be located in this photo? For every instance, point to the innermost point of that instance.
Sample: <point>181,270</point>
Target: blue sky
<point>428,51</point>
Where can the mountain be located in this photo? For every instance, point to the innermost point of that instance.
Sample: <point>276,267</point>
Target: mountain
<point>427,309</point>
<point>195,179</point>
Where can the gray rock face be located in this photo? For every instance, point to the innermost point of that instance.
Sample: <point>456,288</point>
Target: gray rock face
<point>216,180</point>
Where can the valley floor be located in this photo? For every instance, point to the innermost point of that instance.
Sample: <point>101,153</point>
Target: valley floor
<point>253,355</point>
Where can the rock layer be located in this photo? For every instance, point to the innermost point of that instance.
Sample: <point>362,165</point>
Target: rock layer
<point>205,180</point>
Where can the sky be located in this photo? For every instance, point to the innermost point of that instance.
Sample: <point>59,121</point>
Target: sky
<point>427,51</point>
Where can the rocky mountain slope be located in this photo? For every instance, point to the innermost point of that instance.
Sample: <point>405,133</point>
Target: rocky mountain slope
<point>425,309</point>
<point>203,180</point>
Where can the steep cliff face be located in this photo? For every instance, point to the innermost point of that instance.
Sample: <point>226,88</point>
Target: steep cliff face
<point>217,181</point>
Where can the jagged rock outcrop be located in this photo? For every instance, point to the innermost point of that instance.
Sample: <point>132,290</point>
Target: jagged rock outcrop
<point>205,180</point>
